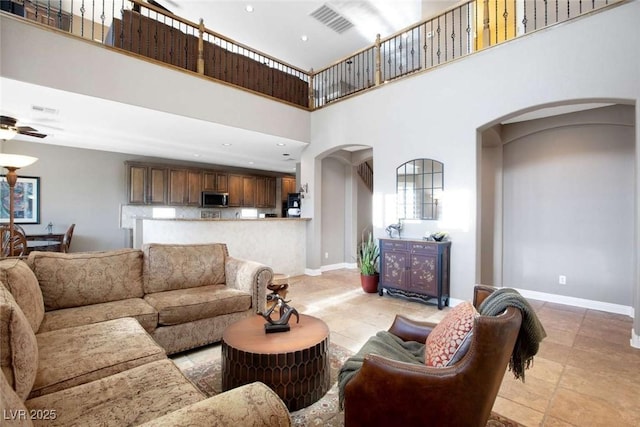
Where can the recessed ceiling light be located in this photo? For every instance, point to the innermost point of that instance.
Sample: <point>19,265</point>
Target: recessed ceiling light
<point>250,163</point>
<point>281,144</point>
<point>248,8</point>
<point>304,38</point>
<point>196,155</point>
<point>226,144</point>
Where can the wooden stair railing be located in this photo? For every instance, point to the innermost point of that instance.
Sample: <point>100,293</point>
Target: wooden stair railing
<point>366,173</point>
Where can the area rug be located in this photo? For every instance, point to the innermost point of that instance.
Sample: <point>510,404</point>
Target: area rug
<point>208,378</point>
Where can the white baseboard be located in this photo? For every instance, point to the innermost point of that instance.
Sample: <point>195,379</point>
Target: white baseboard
<point>312,272</point>
<point>635,339</point>
<point>579,302</point>
<point>339,266</point>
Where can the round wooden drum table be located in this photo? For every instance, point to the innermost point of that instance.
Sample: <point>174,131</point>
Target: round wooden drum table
<point>294,364</point>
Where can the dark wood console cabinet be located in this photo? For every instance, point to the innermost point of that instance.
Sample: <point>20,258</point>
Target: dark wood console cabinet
<point>416,269</point>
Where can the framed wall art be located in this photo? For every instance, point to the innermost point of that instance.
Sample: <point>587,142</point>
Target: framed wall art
<point>26,202</point>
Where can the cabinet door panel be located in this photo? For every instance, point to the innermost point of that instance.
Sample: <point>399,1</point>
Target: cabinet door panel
<point>249,191</point>
<point>194,187</point>
<point>137,184</point>
<point>394,269</point>
<point>209,181</point>
<point>157,186</point>
<point>222,182</point>
<point>424,274</point>
<point>177,186</point>
<point>235,190</point>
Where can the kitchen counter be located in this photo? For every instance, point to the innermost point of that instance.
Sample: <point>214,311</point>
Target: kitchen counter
<point>279,243</point>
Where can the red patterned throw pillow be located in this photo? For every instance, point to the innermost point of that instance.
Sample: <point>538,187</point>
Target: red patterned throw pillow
<point>450,339</point>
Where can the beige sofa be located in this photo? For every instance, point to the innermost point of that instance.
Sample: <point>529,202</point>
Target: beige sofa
<point>79,345</point>
<point>183,295</point>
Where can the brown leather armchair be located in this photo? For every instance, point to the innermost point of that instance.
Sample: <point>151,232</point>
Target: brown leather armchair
<point>390,393</point>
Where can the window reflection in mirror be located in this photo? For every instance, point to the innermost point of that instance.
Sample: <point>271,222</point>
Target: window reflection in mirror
<point>419,189</point>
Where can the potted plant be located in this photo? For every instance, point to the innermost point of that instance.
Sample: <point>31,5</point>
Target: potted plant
<point>368,258</point>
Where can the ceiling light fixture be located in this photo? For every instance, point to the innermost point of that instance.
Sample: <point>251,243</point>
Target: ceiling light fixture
<point>226,144</point>
<point>7,132</point>
<point>304,38</point>
<point>248,8</point>
<point>281,144</point>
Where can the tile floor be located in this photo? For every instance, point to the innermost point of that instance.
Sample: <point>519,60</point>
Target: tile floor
<point>586,373</point>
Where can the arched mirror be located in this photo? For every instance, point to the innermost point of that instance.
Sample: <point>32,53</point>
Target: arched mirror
<point>419,189</point>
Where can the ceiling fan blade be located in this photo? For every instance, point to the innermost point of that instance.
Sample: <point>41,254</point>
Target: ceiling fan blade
<point>6,120</point>
<point>35,134</point>
<point>26,129</point>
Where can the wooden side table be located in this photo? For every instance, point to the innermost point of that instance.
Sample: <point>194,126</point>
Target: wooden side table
<point>294,364</point>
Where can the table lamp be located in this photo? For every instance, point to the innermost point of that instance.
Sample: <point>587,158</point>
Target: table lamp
<point>13,162</point>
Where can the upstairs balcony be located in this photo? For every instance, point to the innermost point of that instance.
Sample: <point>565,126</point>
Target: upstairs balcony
<point>149,31</point>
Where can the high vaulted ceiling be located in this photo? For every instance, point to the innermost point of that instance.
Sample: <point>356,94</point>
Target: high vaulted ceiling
<point>275,27</point>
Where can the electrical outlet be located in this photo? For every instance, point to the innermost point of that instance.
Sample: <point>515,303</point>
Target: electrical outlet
<point>562,279</point>
<point>326,255</point>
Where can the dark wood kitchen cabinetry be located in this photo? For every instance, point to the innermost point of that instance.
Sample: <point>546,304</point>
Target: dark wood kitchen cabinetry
<point>242,191</point>
<point>288,186</point>
<point>147,184</point>
<point>265,192</point>
<point>215,181</point>
<point>415,269</point>
<point>185,187</point>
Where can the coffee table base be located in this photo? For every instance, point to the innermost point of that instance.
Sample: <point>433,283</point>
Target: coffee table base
<point>300,378</point>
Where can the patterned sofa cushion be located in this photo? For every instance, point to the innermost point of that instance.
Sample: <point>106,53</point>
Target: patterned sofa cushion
<point>77,279</point>
<point>73,356</point>
<point>23,285</point>
<point>253,404</point>
<point>78,316</point>
<point>128,398</point>
<point>14,413</point>
<point>186,305</point>
<point>169,267</point>
<point>18,346</point>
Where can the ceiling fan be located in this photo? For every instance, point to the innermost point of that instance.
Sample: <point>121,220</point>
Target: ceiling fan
<point>8,126</point>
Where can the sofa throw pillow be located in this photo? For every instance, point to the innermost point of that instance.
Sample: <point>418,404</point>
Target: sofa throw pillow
<point>23,285</point>
<point>449,340</point>
<point>18,346</point>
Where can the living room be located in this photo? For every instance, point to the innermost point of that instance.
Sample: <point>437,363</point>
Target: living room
<point>449,121</point>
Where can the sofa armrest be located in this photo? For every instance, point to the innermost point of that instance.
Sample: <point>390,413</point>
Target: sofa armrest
<point>251,277</point>
<point>253,404</point>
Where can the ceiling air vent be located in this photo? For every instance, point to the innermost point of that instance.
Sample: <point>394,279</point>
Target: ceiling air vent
<point>45,110</point>
<point>332,19</point>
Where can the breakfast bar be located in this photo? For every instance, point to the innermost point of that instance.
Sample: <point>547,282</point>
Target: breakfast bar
<point>279,243</point>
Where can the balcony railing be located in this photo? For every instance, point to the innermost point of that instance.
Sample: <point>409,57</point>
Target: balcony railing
<point>154,32</point>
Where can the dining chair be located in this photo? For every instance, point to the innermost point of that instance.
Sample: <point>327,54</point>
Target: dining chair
<point>66,239</point>
<point>18,238</point>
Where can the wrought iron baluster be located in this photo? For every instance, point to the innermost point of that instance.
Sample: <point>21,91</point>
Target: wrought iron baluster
<point>446,49</point>
<point>505,16</point>
<point>524,19</point>
<point>102,18</point>
<point>93,19</point>
<point>469,29</point>
<point>438,32</point>
<point>453,34</point>
<point>496,20</point>
<point>59,14</point>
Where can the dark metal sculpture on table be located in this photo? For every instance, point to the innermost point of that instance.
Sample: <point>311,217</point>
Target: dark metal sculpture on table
<point>286,311</point>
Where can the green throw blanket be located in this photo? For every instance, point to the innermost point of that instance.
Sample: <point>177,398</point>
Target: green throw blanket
<point>531,330</point>
<point>385,344</point>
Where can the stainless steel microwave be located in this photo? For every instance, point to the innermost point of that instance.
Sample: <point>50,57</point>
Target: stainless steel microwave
<point>212,199</point>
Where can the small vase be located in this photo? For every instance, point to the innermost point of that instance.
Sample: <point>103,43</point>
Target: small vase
<point>369,283</point>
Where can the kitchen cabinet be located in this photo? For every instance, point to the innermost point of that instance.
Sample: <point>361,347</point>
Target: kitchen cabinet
<point>215,181</point>
<point>185,186</point>
<point>147,184</point>
<point>415,269</point>
<point>265,192</point>
<point>288,186</point>
<point>242,191</point>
